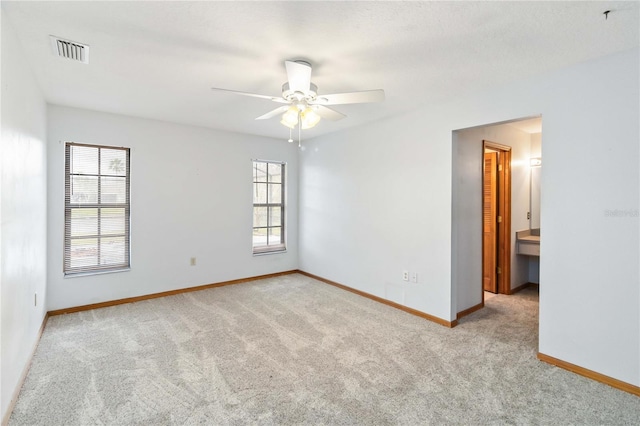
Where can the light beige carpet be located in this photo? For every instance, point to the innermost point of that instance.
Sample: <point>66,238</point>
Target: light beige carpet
<point>292,350</point>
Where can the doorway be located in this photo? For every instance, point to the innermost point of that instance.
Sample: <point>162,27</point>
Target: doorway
<point>496,218</point>
<point>514,144</point>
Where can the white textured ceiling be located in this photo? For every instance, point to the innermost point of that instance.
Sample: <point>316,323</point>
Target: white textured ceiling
<point>159,59</point>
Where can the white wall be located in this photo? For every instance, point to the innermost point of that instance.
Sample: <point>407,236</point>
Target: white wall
<point>377,199</point>
<point>467,207</point>
<point>22,214</point>
<point>190,197</point>
<point>372,204</point>
<point>536,151</point>
<point>536,145</point>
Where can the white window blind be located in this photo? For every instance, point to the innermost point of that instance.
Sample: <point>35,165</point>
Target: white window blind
<point>96,215</point>
<point>268,207</point>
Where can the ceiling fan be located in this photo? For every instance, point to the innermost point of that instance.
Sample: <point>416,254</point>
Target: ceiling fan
<point>302,105</point>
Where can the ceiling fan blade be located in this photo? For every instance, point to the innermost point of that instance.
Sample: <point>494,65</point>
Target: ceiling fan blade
<point>298,75</point>
<point>351,98</point>
<point>273,113</point>
<point>328,113</point>
<point>253,95</point>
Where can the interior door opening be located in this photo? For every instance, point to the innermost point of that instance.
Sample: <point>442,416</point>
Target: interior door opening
<point>514,143</point>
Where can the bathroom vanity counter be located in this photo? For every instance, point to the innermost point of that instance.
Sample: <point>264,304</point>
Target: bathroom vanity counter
<point>528,242</point>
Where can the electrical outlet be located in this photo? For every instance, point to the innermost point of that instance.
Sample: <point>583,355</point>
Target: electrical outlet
<point>414,277</point>
<point>193,261</point>
<point>405,275</point>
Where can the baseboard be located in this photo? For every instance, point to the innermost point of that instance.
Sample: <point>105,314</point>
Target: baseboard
<point>421,314</point>
<point>590,374</point>
<point>25,371</point>
<point>164,294</point>
<point>470,310</point>
<point>523,286</point>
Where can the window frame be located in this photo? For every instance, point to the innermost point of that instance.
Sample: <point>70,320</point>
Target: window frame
<point>281,246</point>
<point>69,207</point>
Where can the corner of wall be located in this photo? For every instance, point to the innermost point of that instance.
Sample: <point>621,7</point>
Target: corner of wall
<point>23,207</point>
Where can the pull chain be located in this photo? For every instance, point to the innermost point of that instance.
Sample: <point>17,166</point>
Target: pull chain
<point>299,131</point>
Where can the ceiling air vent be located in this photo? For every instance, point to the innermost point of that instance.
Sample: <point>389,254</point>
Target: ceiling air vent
<point>70,49</point>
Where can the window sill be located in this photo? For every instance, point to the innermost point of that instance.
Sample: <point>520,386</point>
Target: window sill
<point>275,251</point>
<point>88,273</point>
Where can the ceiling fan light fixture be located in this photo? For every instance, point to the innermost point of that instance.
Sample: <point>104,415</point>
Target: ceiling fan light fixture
<point>309,118</point>
<point>290,117</point>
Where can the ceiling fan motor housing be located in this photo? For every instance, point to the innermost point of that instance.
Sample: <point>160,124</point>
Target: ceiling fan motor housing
<point>309,95</point>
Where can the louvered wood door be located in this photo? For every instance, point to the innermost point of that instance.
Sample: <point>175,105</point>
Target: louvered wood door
<point>489,220</point>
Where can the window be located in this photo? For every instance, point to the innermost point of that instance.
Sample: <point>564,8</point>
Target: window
<point>96,208</point>
<point>268,207</point>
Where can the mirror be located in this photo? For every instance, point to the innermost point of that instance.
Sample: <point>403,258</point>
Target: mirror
<point>534,193</point>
